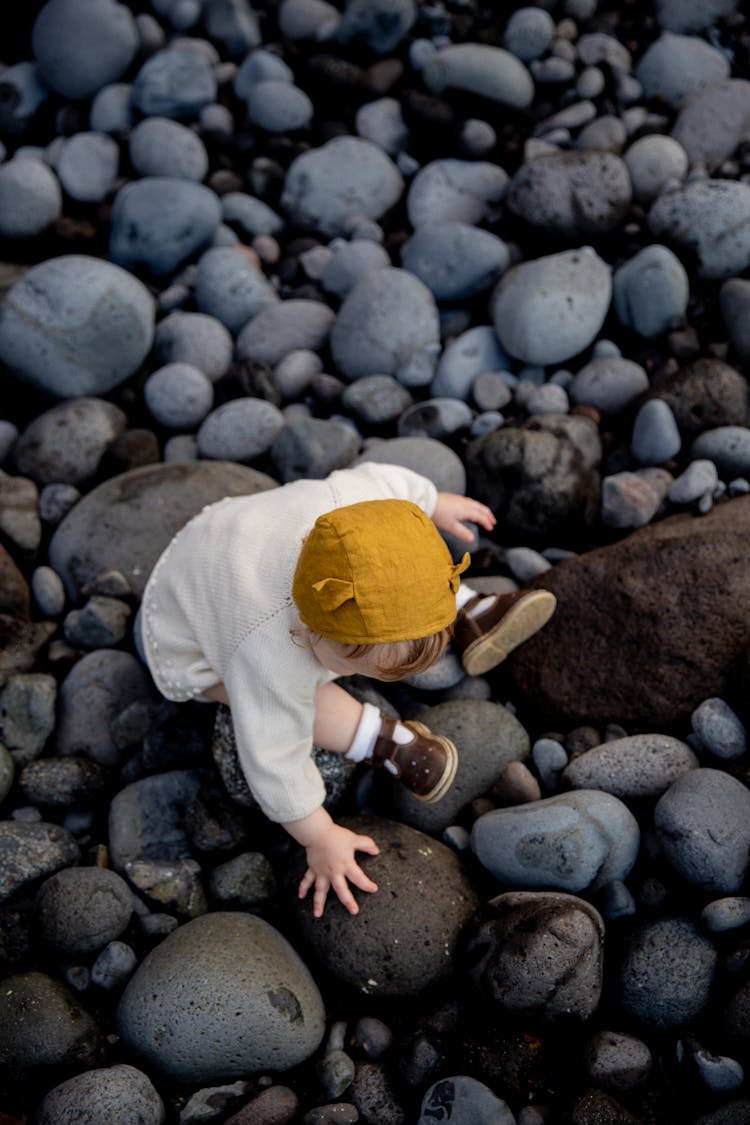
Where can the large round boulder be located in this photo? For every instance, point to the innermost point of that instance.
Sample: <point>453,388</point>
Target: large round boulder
<point>223,996</point>
<point>405,936</point>
<point>127,521</point>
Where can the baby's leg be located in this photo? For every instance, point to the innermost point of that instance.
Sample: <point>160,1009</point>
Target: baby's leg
<point>337,716</point>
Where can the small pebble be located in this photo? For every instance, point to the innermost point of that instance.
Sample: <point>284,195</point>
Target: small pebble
<point>719,729</point>
<point>726,914</point>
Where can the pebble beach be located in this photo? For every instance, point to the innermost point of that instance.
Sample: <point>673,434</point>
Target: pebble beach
<point>507,246</point>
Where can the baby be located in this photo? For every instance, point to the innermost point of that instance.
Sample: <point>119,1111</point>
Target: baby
<point>261,602</point>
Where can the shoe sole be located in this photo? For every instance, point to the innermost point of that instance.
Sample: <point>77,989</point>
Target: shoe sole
<point>522,620</point>
<point>451,764</point>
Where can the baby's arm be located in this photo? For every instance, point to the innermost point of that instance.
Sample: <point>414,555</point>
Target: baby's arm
<point>451,510</point>
<point>330,857</point>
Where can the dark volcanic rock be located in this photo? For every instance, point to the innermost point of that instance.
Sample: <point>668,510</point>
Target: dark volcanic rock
<point>647,628</point>
<point>706,394</point>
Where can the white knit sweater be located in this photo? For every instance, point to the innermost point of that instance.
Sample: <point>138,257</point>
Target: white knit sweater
<point>218,608</point>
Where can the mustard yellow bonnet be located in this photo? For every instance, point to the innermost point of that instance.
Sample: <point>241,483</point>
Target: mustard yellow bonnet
<point>376,572</point>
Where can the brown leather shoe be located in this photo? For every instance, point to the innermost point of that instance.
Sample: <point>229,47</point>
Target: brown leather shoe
<point>484,641</point>
<point>426,766</point>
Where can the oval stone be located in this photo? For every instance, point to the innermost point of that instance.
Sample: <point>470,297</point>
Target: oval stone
<point>223,996</point>
<point>76,325</point>
<point>639,765</point>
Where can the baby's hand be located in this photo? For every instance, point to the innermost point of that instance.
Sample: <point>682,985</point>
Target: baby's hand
<point>451,510</point>
<point>331,862</point>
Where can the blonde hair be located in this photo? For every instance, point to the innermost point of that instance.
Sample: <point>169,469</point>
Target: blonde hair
<point>400,658</point>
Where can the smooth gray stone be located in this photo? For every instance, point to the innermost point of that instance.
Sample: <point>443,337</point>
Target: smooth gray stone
<point>146,819</point>
<point>82,45</point>
<point>80,909</point>
<point>455,260</point>
<point>477,68</point>
<point>75,325</point>
<point>239,430</point>
<point>520,961</point>
<point>175,82</point>
<point>196,338</point>
<point>66,443</point>
<point>62,783</point>
<point>160,221</point>
<point>650,290</point>
<point>487,737</point>
<point>655,438</point>
<point>202,974</point>
<point>376,399</point>
<point>251,215</point>
<point>388,316</point>
<point>381,121</point>
<point>30,198</point>
<point>616,1061</point>
<point>628,500</point>
<point>159,146</point>
<point>597,47</point>
<point>61,1037</point>
<point>125,523</point>
<point>528,33</point>
<point>574,841</point>
<point>550,398</point>
<point>178,396</point>
<point>699,479</point>
<point>572,194</point>
<point>346,176</point>
<point>111,110</point>
<point>434,460</point>
<point>471,354</point>
<point>108,1094</point>
<point>734,301</point>
<point>450,190</point>
<point>350,262</point>
<point>674,66</point>
<point>23,92</point>
<point>549,309</point>
<point>726,914</point>
<point>633,767</point>
<point>230,287</point>
<point>702,824</point>
<point>667,973</point>
<point>712,121</point>
<point>719,729</point>
<point>550,759</point>
<point>712,219</point>
<point>610,383</point>
<point>378,26</point>
<point>27,714</point>
<point>435,418</point>
<point>279,107</point>
<point>311,448</point>
<point>232,25</point>
<point>728,447</point>
<point>466,1101</point>
<point>607,133</point>
<point>283,327</point>
<point>97,689</point>
<point>655,163</point>
<point>88,165</point>
<point>691,15</point>
<point>30,851</point>
<point>303,19</point>
<point>260,66</point>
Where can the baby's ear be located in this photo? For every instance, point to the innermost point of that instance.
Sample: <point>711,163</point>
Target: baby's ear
<point>333,592</point>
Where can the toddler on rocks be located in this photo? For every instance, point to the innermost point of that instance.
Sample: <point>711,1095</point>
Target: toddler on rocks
<point>261,602</point>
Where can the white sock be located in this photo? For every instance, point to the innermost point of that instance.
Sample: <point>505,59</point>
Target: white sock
<point>464,596</point>
<point>366,734</point>
<point>481,606</point>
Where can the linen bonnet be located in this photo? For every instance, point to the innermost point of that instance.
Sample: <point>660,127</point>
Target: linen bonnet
<point>376,572</point>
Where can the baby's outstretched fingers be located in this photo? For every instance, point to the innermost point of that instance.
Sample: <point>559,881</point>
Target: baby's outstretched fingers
<point>366,844</point>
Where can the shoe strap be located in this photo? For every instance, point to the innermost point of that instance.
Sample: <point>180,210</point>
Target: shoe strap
<point>385,744</point>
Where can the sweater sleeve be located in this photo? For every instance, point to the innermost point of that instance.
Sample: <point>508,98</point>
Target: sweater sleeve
<point>378,481</point>
<point>273,723</point>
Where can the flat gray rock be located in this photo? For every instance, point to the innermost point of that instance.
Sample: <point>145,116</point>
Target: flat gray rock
<point>712,121</point>
<point>710,218</point>
<point>575,841</point>
<point>161,221</point>
<point>639,765</point>
<point>455,260</point>
<point>346,176</point>
<point>125,523</point>
<point>434,460</point>
<point>477,68</point>
<point>205,973</point>
<point>674,66</point>
<point>175,82</point>
<point>451,190</point>
<point>76,325</point>
<point>650,291</point>
<point>285,326</point>
<point>231,288</point>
